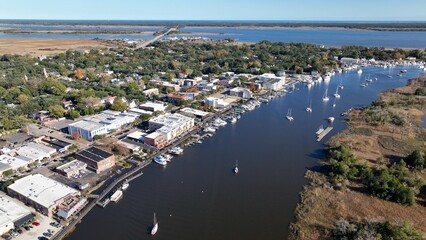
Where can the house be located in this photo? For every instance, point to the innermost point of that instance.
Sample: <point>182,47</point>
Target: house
<point>175,98</point>
<point>153,107</point>
<point>206,86</point>
<point>240,92</point>
<point>96,159</point>
<point>68,105</point>
<point>151,92</point>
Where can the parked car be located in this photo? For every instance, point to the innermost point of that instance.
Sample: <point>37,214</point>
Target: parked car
<point>36,224</point>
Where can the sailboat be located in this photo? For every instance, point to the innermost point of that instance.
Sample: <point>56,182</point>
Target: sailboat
<point>337,95</point>
<point>236,167</point>
<point>154,226</point>
<point>334,103</point>
<point>341,83</point>
<point>325,98</point>
<point>368,79</point>
<point>289,117</point>
<point>309,109</point>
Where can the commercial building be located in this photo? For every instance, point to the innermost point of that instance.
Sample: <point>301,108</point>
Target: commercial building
<point>12,213</point>
<point>155,139</point>
<point>35,152</point>
<point>72,168</point>
<point>153,107</point>
<point>96,159</point>
<point>100,124</point>
<point>194,112</point>
<point>175,98</point>
<point>171,125</point>
<point>4,168</point>
<point>40,192</point>
<point>72,205</point>
<point>59,145</point>
<point>240,92</point>
<point>13,162</point>
<point>215,102</point>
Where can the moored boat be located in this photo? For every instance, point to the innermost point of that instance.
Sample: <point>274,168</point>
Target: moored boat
<point>117,195</point>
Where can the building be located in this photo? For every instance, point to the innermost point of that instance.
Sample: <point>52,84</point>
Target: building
<point>59,145</point>
<point>42,193</point>
<point>215,102</point>
<point>274,84</point>
<point>13,162</point>
<point>3,168</point>
<point>194,112</point>
<point>102,123</point>
<point>96,159</point>
<point>206,86</point>
<point>153,107</point>
<point>12,213</point>
<point>176,98</point>
<point>155,139</point>
<point>171,125</point>
<point>72,205</point>
<point>151,92</point>
<point>140,111</point>
<point>35,152</point>
<point>72,168</point>
<point>240,92</point>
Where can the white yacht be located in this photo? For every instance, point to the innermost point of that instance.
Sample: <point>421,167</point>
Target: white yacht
<point>176,150</point>
<point>309,109</point>
<point>233,120</point>
<point>125,186</point>
<point>116,196</point>
<point>209,129</point>
<point>289,117</point>
<point>154,226</point>
<point>160,160</point>
<point>325,98</point>
<point>359,71</point>
<point>331,119</point>
<point>236,167</point>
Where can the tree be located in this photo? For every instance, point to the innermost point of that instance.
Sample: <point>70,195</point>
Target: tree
<point>416,159</point>
<point>74,114</point>
<point>79,73</point>
<point>144,117</point>
<point>8,173</point>
<point>22,99</point>
<point>56,111</point>
<point>119,105</point>
<point>76,136</point>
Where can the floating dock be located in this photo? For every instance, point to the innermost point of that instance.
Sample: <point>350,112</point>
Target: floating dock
<point>324,133</point>
<point>104,203</point>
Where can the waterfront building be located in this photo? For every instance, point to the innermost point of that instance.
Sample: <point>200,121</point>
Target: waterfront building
<point>215,102</point>
<point>42,193</point>
<point>72,168</point>
<point>102,123</point>
<point>240,92</point>
<point>194,112</point>
<point>35,152</point>
<point>96,159</point>
<point>153,107</point>
<point>155,139</point>
<point>12,213</point>
<point>171,125</point>
<point>274,84</point>
<point>71,206</point>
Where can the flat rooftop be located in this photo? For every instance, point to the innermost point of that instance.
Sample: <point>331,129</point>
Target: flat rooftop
<point>14,162</point>
<point>71,166</point>
<point>87,125</point>
<point>195,112</point>
<point>42,190</point>
<point>95,154</point>
<point>11,210</point>
<point>137,135</point>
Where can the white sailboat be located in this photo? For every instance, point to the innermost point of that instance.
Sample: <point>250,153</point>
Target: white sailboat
<point>309,109</point>
<point>334,103</point>
<point>341,83</point>
<point>325,98</point>
<point>236,167</point>
<point>154,226</point>
<point>289,117</point>
<point>337,95</point>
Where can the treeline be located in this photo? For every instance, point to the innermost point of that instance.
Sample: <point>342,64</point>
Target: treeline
<point>395,183</point>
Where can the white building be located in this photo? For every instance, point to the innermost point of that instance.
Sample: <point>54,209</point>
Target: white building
<point>215,102</point>
<point>195,112</point>
<point>153,107</point>
<point>40,192</point>
<point>102,123</point>
<point>151,92</point>
<point>13,162</point>
<point>12,213</point>
<point>274,84</point>
<point>171,125</point>
<point>71,206</point>
<point>35,152</point>
<point>240,92</point>
<point>72,168</point>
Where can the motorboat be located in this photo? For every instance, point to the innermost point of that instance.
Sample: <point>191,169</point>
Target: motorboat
<point>160,160</point>
<point>117,195</point>
<point>154,226</point>
<point>233,120</point>
<point>209,129</point>
<point>331,119</point>
<point>176,150</point>
<point>289,117</point>
<point>359,71</point>
<point>125,186</point>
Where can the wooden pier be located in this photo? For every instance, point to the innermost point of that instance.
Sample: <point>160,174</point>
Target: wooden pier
<point>324,133</point>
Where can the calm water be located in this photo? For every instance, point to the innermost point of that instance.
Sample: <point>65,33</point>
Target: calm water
<point>414,39</point>
<point>198,197</point>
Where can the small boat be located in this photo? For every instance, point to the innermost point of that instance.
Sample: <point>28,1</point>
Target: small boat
<point>154,226</point>
<point>116,196</point>
<point>236,167</point>
<point>233,120</point>
<point>364,84</point>
<point>209,129</point>
<point>160,160</point>
<point>325,98</point>
<point>334,103</point>
<point>309,109</point>
<point>403,71</point>
<point>359,71</point>
<point>289,117</point>
<point>331,119</point>
<point>390,76</point>
<point>341,83</point>
<point>176,150</point>
<point>320,130</point>
<point>125,186</point>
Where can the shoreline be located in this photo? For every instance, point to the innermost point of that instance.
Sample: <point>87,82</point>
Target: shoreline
<point>319,198</point>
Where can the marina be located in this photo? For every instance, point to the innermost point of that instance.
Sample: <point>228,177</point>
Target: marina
<point>324,133</point>
<point>197,173</point>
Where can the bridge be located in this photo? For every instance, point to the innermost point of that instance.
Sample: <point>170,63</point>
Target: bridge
<point>147,43</point>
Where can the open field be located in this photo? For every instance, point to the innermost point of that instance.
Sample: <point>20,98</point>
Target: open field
<point>40,46</point>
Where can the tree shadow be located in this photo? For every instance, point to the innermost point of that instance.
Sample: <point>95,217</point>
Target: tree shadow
<point>421,198</point>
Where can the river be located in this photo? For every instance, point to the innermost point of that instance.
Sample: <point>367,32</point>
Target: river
<point>197,196</point>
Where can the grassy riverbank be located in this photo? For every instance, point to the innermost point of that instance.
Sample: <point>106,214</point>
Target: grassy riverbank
<point>379,137</point>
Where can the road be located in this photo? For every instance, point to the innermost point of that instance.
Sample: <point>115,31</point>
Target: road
<point>145,44</point>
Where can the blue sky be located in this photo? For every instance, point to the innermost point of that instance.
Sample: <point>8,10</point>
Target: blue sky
<point>362,10</point>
